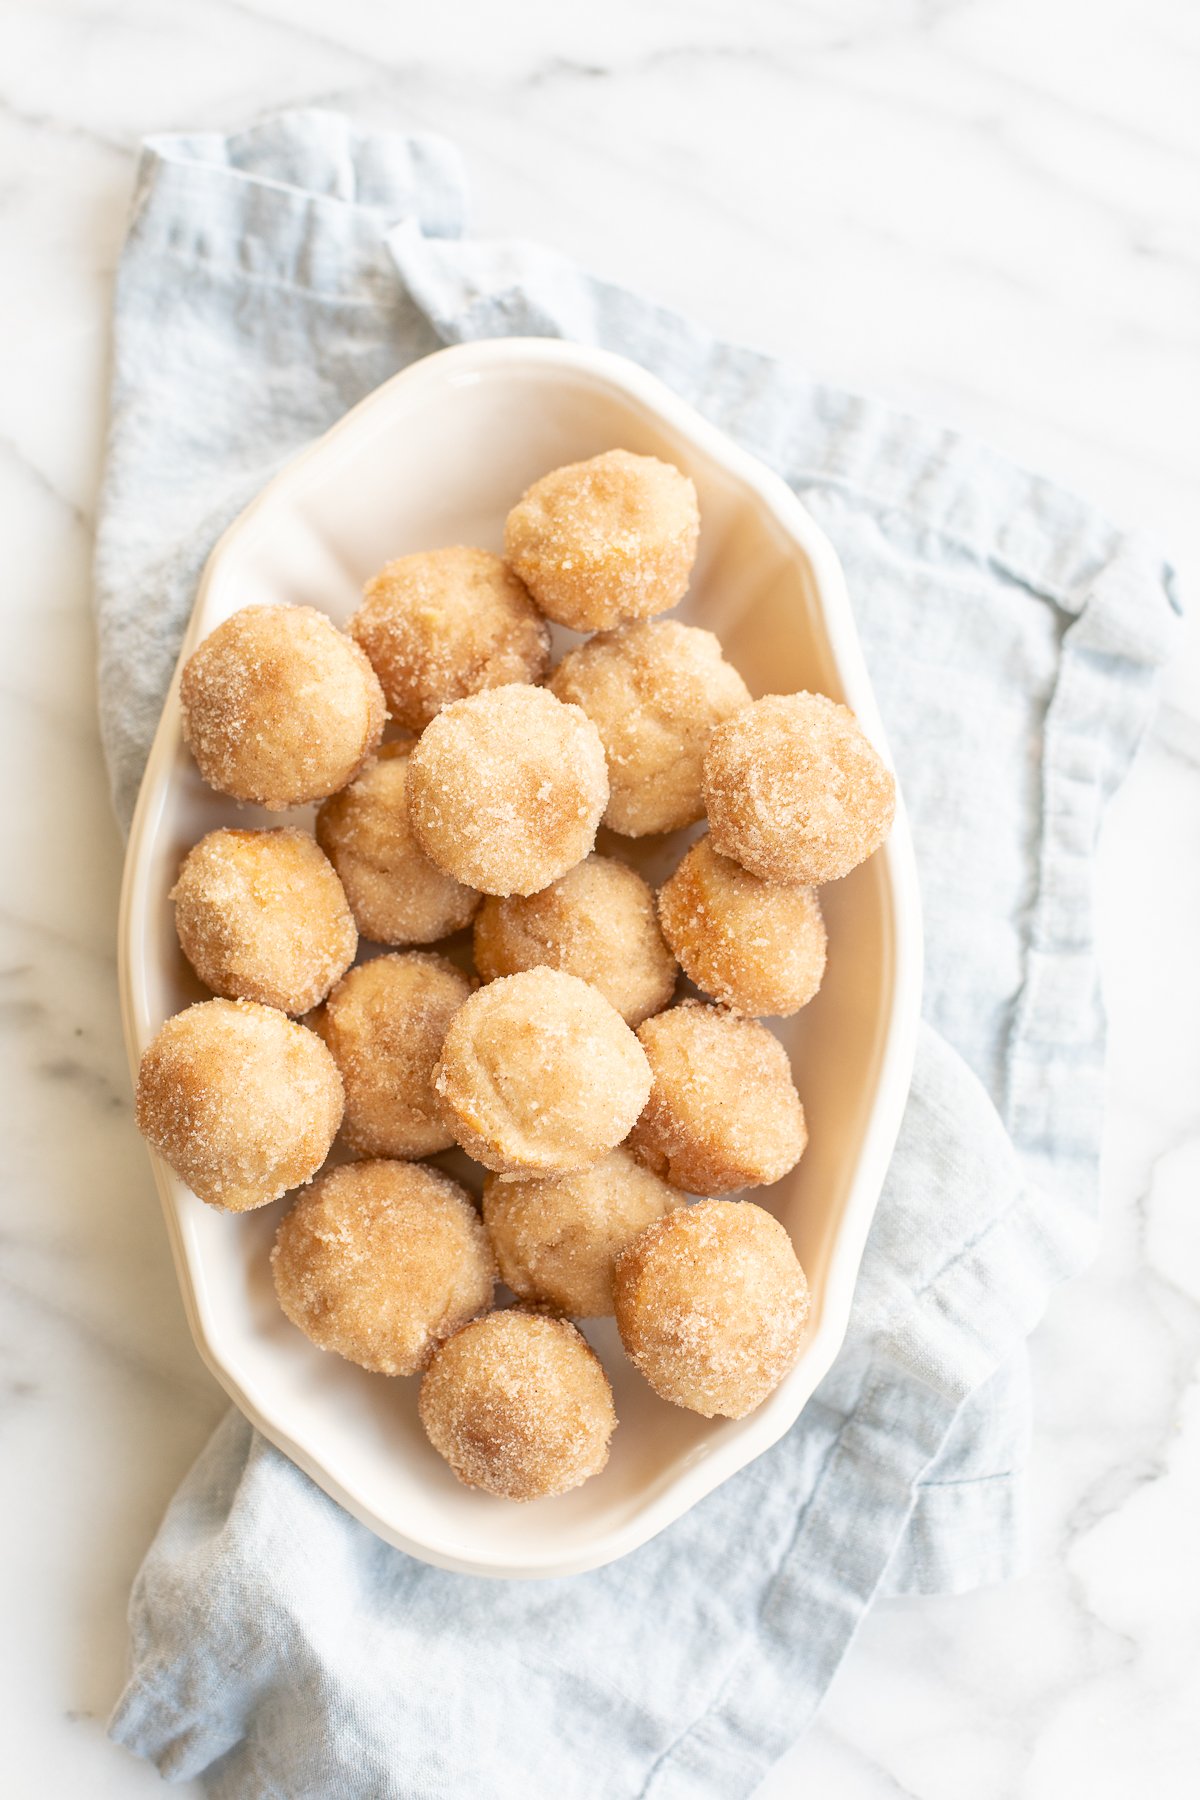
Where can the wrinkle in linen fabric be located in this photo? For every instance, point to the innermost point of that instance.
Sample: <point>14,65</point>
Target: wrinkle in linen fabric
<point>272,278</point>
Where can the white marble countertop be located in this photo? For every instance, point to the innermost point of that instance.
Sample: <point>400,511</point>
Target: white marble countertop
<point>986,211</point>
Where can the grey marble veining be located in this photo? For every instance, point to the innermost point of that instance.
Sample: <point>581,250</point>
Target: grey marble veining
<point>986,210</point>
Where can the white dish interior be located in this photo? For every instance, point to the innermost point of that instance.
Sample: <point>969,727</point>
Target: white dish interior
<point>438,456</point>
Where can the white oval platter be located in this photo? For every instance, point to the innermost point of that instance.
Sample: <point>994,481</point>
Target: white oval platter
<point>437,456</point>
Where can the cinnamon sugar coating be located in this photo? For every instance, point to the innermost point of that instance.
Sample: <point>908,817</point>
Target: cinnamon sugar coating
<point>385,1024</point>
<point>506,789</point>
<point>711,1306</point>
<point>795,791</point>
<point>723,1112</point>
<point>598,922</point>
<point>379,1261</point>
<point>279,707</point>
<point>757,946</point>
<point>519,1405</point>
<point>446,623</point>
<point>654,690</point>
<point>261,915</point>
<point>540,1075</point>
<point>603,541</point>
<point>396,894</point>
<point>556,1239</point>
<point>241,1101</point>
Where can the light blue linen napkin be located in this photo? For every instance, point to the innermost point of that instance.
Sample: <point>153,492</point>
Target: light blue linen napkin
<point>270,280</point>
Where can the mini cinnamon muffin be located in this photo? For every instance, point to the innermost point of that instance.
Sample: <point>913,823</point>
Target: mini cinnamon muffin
<point>556,1239</point>
<point>540,1075</point>
<point>598,922</point>
<point>711,1306</point>
<point>261,915</point>
<point>603,541</point>
<point>723,1111</point>
<point>379,1261</point>
<point>241,1101</point>
<point>654,691</point>
<point>443,624</point>
<point>279,707</point>
<point>506,789</point>
<point>795,791</point>
<point>385,1024</point>
<point>519,1405</point>
<point>757,946</point>
<point>396,894</point>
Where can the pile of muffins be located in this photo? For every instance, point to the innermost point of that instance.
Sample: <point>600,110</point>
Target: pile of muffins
<point>609,1120</point>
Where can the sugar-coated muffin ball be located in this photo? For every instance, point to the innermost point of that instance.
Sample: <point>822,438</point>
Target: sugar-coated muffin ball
<point>723,1111</point>
<point>711,1306</point>
<point>555,1239</point>
<point>519,1405</point>
<point>598,922</point>
<point>396,894</point>
<point>279,707</point>
<point>443,624</point>
<point>540,1075</point>
<point>261,915</point>
<point>654,691</point>
<point>506,789</point>
<point>600,542</point>
<point>795,791</point>
<point>241,1101</point>
<point>757,946</point>
<point>379,1261</point>
<point>385,1024</point>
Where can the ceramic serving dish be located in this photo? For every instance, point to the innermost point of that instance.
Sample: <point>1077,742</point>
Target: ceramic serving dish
<point>437,456</point>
